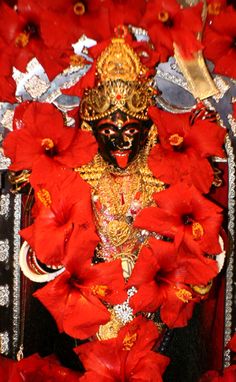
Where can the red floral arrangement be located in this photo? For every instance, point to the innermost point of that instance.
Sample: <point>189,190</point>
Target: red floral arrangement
<point>166,271</point>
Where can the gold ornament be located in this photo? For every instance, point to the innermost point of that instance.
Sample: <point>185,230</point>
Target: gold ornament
<point>118,232</point>
<point>202,289</point>
<point>131,97</point>
<point>119,61</point>
<point>121,85</point>
<point>110,329</point>
<point>18,181</point>
<point>115,195</point>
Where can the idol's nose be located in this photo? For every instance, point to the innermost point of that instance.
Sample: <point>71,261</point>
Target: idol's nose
<point>120,143</point>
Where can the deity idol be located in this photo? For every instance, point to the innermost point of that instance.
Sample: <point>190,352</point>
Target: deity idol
<point>136,241</point>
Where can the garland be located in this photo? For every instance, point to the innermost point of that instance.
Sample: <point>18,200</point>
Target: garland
<point>174,271</point>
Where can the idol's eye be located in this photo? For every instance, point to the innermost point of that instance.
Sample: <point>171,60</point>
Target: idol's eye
<point>107,131</point>
<point>131,131</point>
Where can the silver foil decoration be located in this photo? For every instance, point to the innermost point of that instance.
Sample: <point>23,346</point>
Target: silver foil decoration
<point>222,86</point>
<point>4,205</point>
<point>4,295</point>
<point>36,87</point>
<point>229,272</point>
<point>4,343</point>
<point>4,250</point>
<point>7,119</point>
<point>124,312</point>
<point>16,274</point>
<point>232,123</point>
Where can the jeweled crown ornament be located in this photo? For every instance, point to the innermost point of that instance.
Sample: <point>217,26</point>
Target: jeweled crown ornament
<point>123,84</point>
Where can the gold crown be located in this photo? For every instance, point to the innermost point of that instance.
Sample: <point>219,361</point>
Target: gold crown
<point>122,85</point>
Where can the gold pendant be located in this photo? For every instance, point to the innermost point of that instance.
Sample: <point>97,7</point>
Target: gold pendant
<point>110,329</point>
<point>118,232</point>
<point>127,266</point>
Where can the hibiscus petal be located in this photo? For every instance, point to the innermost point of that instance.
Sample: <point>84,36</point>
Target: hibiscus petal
<point>110,275</point>
<point>157,220</point>
<point>148,298</point>
<point>174,312</point>
<point>83,315</point>
<point>81,151</point>
<point>145,268</point>
<point>210,146</point>
<point>54,297</point>
<point>149,366</point>
<point>100,358</point>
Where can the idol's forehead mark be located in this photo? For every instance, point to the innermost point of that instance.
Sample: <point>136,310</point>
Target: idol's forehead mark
<point>118,122</point>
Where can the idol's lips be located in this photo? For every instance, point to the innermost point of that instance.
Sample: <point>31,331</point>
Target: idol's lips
<point>121,153</point>
<point>121,157</point>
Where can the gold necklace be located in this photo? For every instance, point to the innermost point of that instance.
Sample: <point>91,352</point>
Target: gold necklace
<point>117,196</point>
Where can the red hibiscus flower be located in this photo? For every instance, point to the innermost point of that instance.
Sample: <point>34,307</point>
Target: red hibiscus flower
<point>177,308</point>
<point>182,153</point>
<point>22,36</point>
<point>184,215</point>
<point>127,358</point>
<point>15,37</point>
<point>168,23</point>
<point>55,31</point>
<point>40,137</point>
<point>35,368</point>
<point>214,8</point>
<point>160,279</point>
<point>63,209</point>
<point>74,297</point>
<point>153,271</point>
<point>82,17</point>
<point>35,32</point>
<point>219,41</point>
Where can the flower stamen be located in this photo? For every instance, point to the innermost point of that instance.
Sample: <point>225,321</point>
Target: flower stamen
<point>22,40</point>
<point>214,8</point>
<point>184,295</point>
<point>79,8</point>
<point>163,16</point>
<point>47,143</point>
<point>197,231</point>
<point>100,290</point>
<point>176,140</point>
<point>129,341</point>
<point>44,197</point>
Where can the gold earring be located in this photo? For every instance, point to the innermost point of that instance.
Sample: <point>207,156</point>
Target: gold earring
<point>152,139</point>
<point>86,127</point>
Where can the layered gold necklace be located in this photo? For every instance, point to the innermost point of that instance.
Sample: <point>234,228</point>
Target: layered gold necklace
<point>117,196</point>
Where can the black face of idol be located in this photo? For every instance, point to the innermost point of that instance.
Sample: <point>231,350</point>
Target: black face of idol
<point>120,138</point>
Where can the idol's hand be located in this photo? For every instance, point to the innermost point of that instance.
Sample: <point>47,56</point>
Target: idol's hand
<point>200,111</point>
